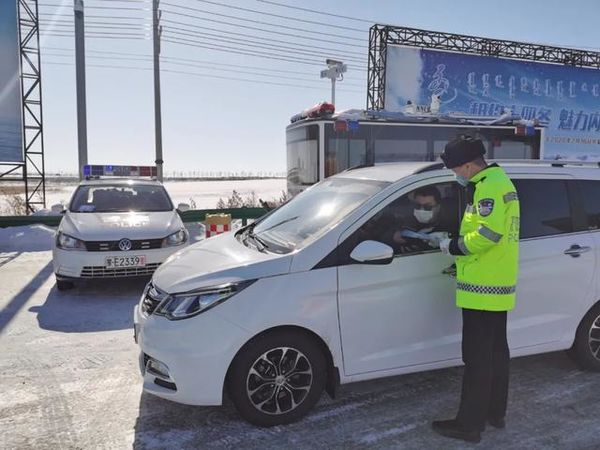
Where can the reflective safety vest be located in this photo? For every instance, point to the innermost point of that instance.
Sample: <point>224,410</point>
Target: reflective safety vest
<point>489,239</point>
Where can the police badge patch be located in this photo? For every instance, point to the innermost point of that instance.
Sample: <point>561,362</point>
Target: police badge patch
<point>485,206</point>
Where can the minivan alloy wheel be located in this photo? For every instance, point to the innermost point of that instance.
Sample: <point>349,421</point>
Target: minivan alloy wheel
<point>594,338</point>
<point>279,380</point>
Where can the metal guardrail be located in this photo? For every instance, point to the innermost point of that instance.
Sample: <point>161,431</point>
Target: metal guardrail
<point>236,213</point>
<point>198,215</point>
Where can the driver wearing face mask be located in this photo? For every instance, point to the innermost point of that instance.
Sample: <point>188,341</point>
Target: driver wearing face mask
<point>428,217</point>
<point>427,206</point>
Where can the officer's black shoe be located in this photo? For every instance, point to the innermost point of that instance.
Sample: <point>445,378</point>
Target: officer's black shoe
<point>453,429</point>
<point>497,423</point>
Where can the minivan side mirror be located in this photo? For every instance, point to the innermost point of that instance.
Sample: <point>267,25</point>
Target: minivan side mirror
<point>183,207</point>
<point>372,252</point>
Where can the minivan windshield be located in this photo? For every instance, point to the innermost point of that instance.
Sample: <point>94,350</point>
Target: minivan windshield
<point>121,198</point>
<point>313,212</point>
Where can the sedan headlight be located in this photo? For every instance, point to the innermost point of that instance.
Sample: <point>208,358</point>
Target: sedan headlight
<point>175,239</point>
<point>66,242</point>
<point>182,306</point>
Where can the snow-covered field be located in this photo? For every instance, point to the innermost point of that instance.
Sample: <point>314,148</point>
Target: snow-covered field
<point>69,379</point>
<point>205,194</point>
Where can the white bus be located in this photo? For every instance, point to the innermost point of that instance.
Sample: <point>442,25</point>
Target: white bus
<point>321,144</point>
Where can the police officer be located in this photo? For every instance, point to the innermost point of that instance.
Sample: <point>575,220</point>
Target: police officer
<point>487,252</point>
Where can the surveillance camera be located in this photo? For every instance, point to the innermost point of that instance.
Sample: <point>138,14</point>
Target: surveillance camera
<point>333,62</point>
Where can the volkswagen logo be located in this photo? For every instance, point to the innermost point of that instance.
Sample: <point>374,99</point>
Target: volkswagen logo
<point>125,245</point>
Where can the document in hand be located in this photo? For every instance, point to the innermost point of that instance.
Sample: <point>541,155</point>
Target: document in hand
<point>416,235</point>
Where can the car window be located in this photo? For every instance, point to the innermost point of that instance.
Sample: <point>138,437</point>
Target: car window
<point>121,198</point>
<point>545,208</point>
<point>590,191</point>
<point>431,210</point>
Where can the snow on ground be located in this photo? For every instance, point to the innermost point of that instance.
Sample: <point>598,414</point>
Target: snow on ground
<point>70,380</point>
<point>206,194</point>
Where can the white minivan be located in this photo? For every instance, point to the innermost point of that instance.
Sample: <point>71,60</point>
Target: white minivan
<point>327,289</point>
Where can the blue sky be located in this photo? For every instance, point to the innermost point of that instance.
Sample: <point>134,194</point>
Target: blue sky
<point>214,124</point>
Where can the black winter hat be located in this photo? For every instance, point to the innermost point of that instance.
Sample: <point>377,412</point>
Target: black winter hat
<point>462,150</point>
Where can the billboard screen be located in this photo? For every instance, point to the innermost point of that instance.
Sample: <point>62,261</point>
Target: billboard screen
<point>11,130</point>
<point>566,98</point>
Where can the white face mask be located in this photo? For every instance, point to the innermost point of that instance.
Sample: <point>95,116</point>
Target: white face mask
<point>424,216</point>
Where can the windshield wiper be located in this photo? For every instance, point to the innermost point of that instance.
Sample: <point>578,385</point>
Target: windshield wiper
<point>279,223</point>
<point>263,244</point>
<point>260,244</point>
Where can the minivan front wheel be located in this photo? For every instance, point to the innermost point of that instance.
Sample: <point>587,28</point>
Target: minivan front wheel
<point>277,378</point>
<point>586,348</point>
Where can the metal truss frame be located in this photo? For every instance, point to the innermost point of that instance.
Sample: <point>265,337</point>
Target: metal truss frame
<point>32,169</point>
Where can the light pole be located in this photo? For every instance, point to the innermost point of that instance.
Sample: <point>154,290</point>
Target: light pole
<point>335,70</point>
<point>156,32</point>
<point>80,81</point>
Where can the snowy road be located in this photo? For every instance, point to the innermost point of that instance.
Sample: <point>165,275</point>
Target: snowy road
<point>69,379</point>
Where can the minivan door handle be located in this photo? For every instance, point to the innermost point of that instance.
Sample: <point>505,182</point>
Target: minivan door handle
<point>576,250</point>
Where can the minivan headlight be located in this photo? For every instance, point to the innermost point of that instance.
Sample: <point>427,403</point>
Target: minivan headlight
<point>188,304</point>
<point>177,238</point>
<point>66,242</point>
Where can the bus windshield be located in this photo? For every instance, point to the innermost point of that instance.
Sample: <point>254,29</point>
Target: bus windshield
<point>309,158</point>
<point>374,142</point>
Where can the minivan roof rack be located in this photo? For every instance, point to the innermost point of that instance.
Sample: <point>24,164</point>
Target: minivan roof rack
<point>358,166</point>
<point>537,162</point>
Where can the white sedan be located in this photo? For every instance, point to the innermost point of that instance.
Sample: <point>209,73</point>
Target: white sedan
<point>116,228</point>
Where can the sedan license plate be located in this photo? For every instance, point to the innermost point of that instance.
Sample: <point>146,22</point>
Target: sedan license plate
<point>115,262</point>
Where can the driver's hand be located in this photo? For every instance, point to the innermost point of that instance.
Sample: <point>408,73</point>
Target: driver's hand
<point>397,237</point>
<point>436,238</point>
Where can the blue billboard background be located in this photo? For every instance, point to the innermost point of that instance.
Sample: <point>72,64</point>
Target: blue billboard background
<point>566,99</point>
<point>10,87</point>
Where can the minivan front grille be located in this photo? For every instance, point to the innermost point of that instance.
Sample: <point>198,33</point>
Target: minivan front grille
<point>149,305</point>
<point>152,299</point>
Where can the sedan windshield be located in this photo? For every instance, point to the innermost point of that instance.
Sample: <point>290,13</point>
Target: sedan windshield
<point>121,198</point>
<point>313,212</point>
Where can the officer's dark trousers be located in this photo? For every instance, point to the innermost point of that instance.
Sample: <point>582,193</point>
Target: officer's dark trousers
<point>486,357</point>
